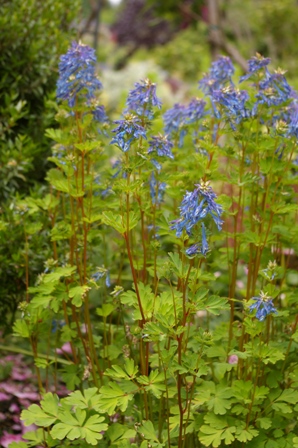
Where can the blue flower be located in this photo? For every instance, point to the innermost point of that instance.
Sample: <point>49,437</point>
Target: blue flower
<point>127,131</point>
<point>100,273</point>
<point>255,64</point>
<point>174,120</point>
<point>274,89</point>
<point>264,306</point>
<point>180,116</point>
<point>143,98</point>
<point>292,120</point>
<point>198,248</point>
<point>157,190</point>
<point>232,102</point>
<point>162,146</point>
<point>99,114</point>
<point>220,73</point>
<point>195,110</point>
<point>195,206</point>
<point>77,73</point>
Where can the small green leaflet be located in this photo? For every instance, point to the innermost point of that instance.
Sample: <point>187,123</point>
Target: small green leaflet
<point>77,294</point>
<point>79,427</point>
<point>111,397</point>
<point>44,415</point>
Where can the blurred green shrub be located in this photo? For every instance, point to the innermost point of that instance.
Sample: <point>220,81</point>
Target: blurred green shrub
<point>33,35</point>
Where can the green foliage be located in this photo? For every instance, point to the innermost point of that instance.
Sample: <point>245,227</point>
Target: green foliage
<point>34,34</point>
<point>165,346</point>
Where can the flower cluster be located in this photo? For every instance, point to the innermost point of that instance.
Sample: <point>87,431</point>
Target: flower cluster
<point>274,89</point>
<point>256,64</point>
<point>77,73</point>
<point>127,131</point>
<point>232,102</point>
<point>196,206</point>
<point>143,98</point>
<point>264,306</point>
<point>162,146</point>
<point>180,116</point>
<point>220,73</point>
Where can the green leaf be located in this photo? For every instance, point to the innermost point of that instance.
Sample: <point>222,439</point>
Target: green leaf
<point>115,431</point>
<point>210,436</point>
<point>288,396</point>
<point>111,397</point>
<point>216,304</point>
<point>57,179</point>
<point>220,403</point>
<point>77,426</point>
<point>70,376</point>
<point>88,145</point>
<point>245,435</point>
<point>105,310</point>
<point>264,422</point>
<point>147,431</point>
<point>66,271</point>
<point>119,222</point>
<point>89,399</point>
<point>20,328</point>
<point>45,414</point>
<point>77,294</point>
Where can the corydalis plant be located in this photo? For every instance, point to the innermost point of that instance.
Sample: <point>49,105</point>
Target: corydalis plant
<point>196,206</point>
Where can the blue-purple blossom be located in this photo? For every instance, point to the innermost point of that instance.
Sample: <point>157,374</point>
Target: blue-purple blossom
<point>220,73</point>
<point>127,131</point>
<point>255,64</point>
<point>100,273</point>
<point>77,73</point>
<point>180,116</point>
<point>195,110</point>
<point>195,206</point>
<point>162,146</point>
<point>157,190</point>
<point>232,102</point>
<point>99,114</point>
<point>274,89</point>
<point>199,248</point>
<point>263,305</point>
<point>174,120</point>
<point>141,99</point>
<point>292,120</point>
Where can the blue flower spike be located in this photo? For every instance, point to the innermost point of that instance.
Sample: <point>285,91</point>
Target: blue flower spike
<point>77,73</point>
<point>263,305</point>
<point>194,208</point>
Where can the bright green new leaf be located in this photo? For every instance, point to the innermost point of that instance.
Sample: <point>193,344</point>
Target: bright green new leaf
<point>45,414</point>
<point>105,310</point>
<point>147,431</point>
<point>77,294</point>
<point>66,271</point>
<point>89,401</point>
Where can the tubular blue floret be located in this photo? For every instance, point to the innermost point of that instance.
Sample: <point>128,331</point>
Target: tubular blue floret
<point>195,110</point>
<point>274,89</point>
<point>174,119</point>
<point>232,102</point>
<point>162,146</point>
<point>77,73</point>
<point>292,120</point>
<point>263,306</point>
<point>141,99</point>
<point>220,73</point>
<point>205,246</point>
<point>195,206</point>
<point>255,64</point>
<point>127,131</point>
